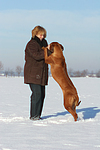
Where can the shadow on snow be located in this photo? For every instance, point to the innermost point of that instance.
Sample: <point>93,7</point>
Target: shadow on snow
<point>87,113</point>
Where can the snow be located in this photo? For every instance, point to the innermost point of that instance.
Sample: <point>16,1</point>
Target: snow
<point>57,130</point>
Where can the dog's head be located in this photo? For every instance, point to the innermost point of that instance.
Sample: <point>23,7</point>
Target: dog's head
<point>53,44</point>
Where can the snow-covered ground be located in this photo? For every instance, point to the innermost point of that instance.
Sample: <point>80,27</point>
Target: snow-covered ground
<point>57,130</point>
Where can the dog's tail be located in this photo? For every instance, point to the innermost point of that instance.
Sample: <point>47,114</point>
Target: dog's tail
<point>77,100</point>
<point>79,103</point>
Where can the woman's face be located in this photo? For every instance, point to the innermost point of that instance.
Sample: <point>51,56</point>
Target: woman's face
<point>40,36</point>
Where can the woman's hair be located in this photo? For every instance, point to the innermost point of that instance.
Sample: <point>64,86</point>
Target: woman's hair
<point>38,29</point>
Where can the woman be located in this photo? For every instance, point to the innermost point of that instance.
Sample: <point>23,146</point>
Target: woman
<point>36,71</point>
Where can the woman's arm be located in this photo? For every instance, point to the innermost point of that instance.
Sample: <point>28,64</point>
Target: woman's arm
<point>34,51</point>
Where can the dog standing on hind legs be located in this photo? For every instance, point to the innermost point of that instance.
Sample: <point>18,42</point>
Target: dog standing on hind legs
<point>59,73</point>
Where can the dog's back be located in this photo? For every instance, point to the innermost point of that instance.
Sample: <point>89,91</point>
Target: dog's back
<point>59,70</point>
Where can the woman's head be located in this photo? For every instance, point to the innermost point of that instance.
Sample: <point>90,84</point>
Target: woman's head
<point>39,32</point>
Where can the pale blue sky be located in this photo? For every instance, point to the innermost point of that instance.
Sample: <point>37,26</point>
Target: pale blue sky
<point>73,23</point>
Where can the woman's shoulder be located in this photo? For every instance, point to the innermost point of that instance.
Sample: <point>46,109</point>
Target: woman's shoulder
<point>31,42</point>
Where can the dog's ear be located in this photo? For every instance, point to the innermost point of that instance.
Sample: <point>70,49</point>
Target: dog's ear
<point>52,48</point>
<point>62,47</point>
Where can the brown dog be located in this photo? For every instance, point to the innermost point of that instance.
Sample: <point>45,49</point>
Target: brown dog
<point>59,73</point>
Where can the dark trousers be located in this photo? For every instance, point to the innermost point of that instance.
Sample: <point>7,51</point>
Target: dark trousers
<point>37,99</point>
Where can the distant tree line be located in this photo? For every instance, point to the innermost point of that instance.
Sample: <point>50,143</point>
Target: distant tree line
<point>19,72</point>
<point>11,72</point>
<point>84,73</point>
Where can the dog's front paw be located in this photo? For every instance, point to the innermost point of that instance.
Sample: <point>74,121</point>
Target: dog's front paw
<point>43,48</point>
